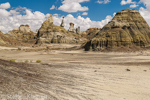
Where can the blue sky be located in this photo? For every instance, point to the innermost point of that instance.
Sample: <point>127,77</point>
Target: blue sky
<point>84,13</point>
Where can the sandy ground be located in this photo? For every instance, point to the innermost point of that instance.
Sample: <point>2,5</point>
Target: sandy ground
<point>76,75</point>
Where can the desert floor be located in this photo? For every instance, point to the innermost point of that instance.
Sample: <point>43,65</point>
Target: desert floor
<point>75,75</point>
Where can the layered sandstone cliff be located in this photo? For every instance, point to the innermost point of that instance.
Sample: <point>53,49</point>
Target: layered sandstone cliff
<point>91,32</point>
<point>126,29</point>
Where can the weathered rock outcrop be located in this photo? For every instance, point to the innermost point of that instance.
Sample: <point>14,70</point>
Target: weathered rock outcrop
<point>78,30</point>
<point>63,22</point>
<point>50,33</point>
<point>25,28</point>
<point>49,19</point>
<point>8,40</point>
<point>91,32</point>
<point>126,29</point>
<point>22,34</point>
<point>71,28</point>
<point>1,40</point>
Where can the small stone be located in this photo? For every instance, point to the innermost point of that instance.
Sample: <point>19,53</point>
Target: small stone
<point>145,70</point>
<point>128,70</point>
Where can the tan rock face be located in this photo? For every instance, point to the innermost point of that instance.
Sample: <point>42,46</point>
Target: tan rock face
<point>92,29</point>
<point>1,40</point>
<point>50,19</point>
<point>24,28</point>
<point>91,32</point>
<point>50,33</point>
<point>22,34</point>
<point>8,40</point>
<point>127,28</point>
<point>78,30</point>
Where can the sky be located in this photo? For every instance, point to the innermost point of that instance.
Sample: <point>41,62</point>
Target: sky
<point>83,13</point>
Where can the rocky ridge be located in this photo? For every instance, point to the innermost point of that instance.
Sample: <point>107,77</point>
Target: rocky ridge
<point>91,32</point>
<point>23,34</point>
<point>50,33</point>
<point>1,40</point>
<point>126,29</point>
<point>18,36</point>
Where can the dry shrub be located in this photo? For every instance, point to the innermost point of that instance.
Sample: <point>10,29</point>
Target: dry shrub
<point>12,60</point>
<point>26,61</point>
<point>38,61</point>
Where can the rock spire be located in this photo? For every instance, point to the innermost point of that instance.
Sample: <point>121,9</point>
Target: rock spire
<point>24,28</point>
<point>50,19</point>
<point>78,30</point>
<point>63,22</point>
<point>71,29</point>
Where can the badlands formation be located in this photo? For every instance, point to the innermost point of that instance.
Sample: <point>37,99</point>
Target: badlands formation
<point>58,68</point>
<point>18,36</point>
<point>23,33</point>
<point>50,33</point>
<point>128,28</point>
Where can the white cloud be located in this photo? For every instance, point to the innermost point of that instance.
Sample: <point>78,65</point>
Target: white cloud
<point>133,3</point>
<point>35,20</point>
<point>4,13</point>
<point>103,1</point>
<point>14,18</point>
<point>53,7</point>
<point>133,6</point>
<point>73,6</point>
<point>145,12</point>
<point>114,14</point>
<point>78,1</point>
<point>14,12</point>
<point>84,23</point>
<point>5,5</point>
<point>124,2</point>
<point>146,3</point>
<point>84,13</point>
<point>21,15</point>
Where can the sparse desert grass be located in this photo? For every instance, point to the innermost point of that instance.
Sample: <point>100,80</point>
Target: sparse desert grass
<point>38,61</point>
<point>12,60</point>
<point>26,61</point>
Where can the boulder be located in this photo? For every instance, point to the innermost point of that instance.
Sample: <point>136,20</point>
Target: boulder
<point>126,29</point>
